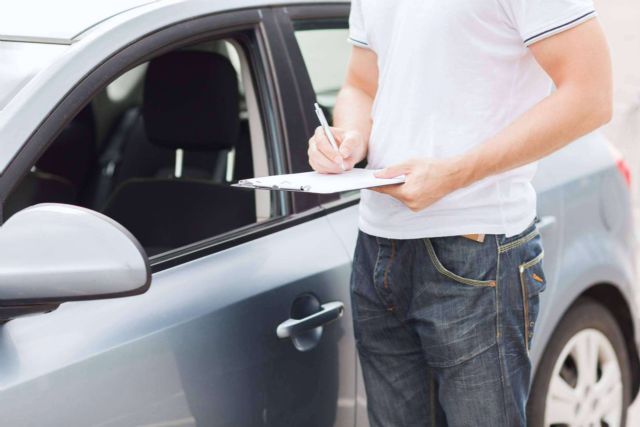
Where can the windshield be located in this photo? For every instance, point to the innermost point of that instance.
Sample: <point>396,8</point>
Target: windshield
<point>20,63</point>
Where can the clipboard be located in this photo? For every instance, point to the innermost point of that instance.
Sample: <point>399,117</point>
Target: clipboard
<point>314,182</point>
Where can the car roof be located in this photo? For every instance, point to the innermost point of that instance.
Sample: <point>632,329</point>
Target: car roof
<point>63,21</point>
<point>60,20</point>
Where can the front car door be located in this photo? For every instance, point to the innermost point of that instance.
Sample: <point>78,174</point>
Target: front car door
<point>316,42</point>
<point>201,346</point>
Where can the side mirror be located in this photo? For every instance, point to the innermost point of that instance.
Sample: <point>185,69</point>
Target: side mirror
<point>53,253</point>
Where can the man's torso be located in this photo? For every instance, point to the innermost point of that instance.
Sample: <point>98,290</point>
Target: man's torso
<point>452,75</point>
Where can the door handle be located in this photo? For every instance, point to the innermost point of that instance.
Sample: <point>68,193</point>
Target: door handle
<point>329,312</point>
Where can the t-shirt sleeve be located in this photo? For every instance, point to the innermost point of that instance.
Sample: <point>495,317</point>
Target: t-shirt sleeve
<point>538,19</point>
<point>357,31</point>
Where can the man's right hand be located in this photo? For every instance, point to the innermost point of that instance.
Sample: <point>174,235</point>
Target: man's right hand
<point>352,114</point>
<point>323,158</point>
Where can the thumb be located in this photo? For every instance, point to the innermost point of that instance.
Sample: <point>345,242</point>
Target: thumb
<point>392,171</point>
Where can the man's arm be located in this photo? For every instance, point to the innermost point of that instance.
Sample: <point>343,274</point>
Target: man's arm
<point>352,117</point>
<point>578,62</point>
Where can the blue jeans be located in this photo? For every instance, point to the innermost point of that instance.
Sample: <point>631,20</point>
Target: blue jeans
<point>443,328</point>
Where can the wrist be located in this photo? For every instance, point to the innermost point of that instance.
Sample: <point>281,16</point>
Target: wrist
<point>460,171</point>
<point>362,145</point>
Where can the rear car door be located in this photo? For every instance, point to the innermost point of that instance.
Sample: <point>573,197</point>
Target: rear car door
<point>249,327</point>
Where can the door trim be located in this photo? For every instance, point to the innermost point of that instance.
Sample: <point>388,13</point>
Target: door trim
<point>300,96</point>
<point>244,235</point>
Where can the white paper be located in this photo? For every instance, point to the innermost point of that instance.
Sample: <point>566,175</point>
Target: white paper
<point>314,182</point>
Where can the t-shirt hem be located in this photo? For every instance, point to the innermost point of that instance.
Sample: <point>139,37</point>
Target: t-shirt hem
<point>559,26</point>
<point>387,232</point>
<point>358,41</point>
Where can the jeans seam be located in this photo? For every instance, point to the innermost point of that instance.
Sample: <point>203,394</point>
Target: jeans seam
<point>519,242</point>
<point>385,281</point>
<point>375,266</point>
<point>525,296</point>
<point>499,339</point>
<point>432,390</point>
<point>527,265</point>
<point>383,300</point>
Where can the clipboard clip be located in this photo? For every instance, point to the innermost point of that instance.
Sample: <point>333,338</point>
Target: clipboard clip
<point>282,186</point>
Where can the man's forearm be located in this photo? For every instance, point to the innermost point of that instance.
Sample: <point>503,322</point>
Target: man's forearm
<point>353,111</point>
<point>557,120</point>
<point>351,117</point>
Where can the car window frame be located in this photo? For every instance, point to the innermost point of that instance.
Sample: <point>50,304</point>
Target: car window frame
<point>227,24</point>
<point>286,17</point>
<point>337,17</point>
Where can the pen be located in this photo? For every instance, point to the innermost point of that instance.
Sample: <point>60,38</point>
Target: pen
<point>327,130</point>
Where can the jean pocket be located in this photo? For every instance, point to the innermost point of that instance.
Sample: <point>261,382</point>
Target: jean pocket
<point>532,282</point>
<point>463,260</point>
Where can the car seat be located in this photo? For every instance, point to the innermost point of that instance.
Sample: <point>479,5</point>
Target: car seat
<point>191,103</point>
<point>129,152</point>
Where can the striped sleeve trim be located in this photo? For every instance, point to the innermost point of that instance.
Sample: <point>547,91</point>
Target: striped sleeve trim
<point>559,28</point>
<point>357,42</point>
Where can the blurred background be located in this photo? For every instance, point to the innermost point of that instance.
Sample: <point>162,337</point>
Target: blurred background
<point>621,21</point>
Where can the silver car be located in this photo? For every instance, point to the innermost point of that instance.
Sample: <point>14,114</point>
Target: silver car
<point>137,287</point>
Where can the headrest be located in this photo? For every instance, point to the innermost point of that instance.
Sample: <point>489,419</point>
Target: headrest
<point>191,101</point>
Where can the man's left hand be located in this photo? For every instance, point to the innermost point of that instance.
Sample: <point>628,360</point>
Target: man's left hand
<point>427,181</point>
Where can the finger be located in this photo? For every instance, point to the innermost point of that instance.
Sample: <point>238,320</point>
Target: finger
<point>327,166</point>
<point>393,190</point>
<point>349,164</point>
<point>317,168</point>
<point>313,166</point>
<point>348,146</point>
<point>393,171</point>
<point>321,163</point>
<point>324,147</point>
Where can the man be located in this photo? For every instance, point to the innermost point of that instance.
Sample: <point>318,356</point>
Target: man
<point>457,96</point>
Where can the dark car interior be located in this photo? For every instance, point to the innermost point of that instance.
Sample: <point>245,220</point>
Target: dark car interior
<point>163,163</point>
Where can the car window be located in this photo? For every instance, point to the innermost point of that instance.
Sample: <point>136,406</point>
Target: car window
<point>158,149</point>
<point>325,50</point>
<point>124,85</point>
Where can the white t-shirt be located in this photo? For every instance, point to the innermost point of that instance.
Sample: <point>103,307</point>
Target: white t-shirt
<point>452,74</point>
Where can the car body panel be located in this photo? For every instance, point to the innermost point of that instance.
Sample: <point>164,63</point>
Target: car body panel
<point>60,21</point>
<point>345,223</point>
<point>54,23</point>
<point>580,252</point>
<point>201,344</point>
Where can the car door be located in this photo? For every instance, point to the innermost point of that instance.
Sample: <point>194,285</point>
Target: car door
<point>249,328</point>
<point>315,37</point>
